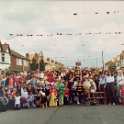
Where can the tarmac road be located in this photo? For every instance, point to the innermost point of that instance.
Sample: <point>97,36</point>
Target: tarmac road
<point>66,115</point>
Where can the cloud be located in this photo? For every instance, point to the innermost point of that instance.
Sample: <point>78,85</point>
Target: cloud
<point>45,17</point>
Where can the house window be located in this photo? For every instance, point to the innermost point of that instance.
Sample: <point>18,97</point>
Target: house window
<point>19,61</point>
<point>48,59</point>
<point>3,57</point>
<point>52,61</point>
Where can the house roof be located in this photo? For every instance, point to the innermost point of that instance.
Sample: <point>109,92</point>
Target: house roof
<point>0,45</point>
<point>14,53</point>
<point>4,47</point>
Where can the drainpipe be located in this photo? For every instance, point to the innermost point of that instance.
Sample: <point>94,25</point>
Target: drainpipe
<point>22,65</point>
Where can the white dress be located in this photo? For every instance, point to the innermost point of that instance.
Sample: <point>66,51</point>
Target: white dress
<point>17,100</point>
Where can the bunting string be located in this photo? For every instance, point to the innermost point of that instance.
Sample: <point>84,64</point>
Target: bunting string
<point>112,12</point>
<point>67,34</point>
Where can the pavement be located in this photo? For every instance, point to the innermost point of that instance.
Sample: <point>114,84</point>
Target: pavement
<point>66,115</point>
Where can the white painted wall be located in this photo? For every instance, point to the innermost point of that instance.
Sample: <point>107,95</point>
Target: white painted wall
<point>26,63</point>
<point>6,64</point>
<point>0,56</point>
<point>7,58</point>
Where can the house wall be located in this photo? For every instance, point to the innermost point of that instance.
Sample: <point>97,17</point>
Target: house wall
<point>13,61</point>
<point>15,64</point>
<point>19,61</point>
<point>26,66</point>
<point>18,64</point>
<point>26,63</point>
<point>6,64</point>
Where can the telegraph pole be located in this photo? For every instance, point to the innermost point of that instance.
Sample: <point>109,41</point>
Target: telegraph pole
<point>103,60</point>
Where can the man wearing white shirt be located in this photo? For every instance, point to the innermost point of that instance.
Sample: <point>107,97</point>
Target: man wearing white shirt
<point>110,80</point>
<point>102,82</point>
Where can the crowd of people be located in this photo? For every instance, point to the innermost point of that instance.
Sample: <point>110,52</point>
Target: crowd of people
<point>57,88</point>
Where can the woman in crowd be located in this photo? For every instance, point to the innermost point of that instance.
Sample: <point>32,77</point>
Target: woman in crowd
<point>86,86</point>
<point>120,83</point>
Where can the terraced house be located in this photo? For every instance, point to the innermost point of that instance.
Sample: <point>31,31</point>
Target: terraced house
<point>12,60</point>
<point>117,61</point>
<point>5,56</point>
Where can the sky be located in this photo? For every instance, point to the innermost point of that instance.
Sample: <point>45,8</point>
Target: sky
<point>40,17</point>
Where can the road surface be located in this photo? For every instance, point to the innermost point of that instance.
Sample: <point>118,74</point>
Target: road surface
<point>66,115</point>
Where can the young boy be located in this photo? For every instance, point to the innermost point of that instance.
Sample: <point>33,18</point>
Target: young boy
<point>11,103</point>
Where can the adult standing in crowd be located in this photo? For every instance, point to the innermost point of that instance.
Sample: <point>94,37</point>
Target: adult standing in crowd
<point>110,81</point>
<point>120,82</point>
<point>102,81</point>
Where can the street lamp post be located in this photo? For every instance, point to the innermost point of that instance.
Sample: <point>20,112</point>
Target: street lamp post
<point>121,57</point>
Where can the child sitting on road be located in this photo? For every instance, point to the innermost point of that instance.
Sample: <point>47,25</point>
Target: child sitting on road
<point>31,100</point>
<point>11,102</point>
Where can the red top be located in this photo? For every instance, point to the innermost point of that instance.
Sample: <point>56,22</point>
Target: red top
<point>67,92</point>
<point>11,82</point>
<point>122,91</point>
<point>50,77</point>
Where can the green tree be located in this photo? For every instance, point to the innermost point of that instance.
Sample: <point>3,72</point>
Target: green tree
<point>33,64</point>
<point>42,65</point>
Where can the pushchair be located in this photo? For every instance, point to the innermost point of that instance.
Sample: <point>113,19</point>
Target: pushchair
<point>3,104</point>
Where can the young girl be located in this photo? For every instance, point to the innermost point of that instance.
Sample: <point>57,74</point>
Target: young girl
<point>66,95</point>
<point>24,97</point>
<point>53,96</point>
<point>43,99</point>
<point>17,102</point>
<point>38,98</point>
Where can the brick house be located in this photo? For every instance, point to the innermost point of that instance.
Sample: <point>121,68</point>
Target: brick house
<point>18,62</point>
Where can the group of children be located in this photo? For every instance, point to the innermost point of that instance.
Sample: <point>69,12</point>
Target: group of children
<point>33,95</point>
